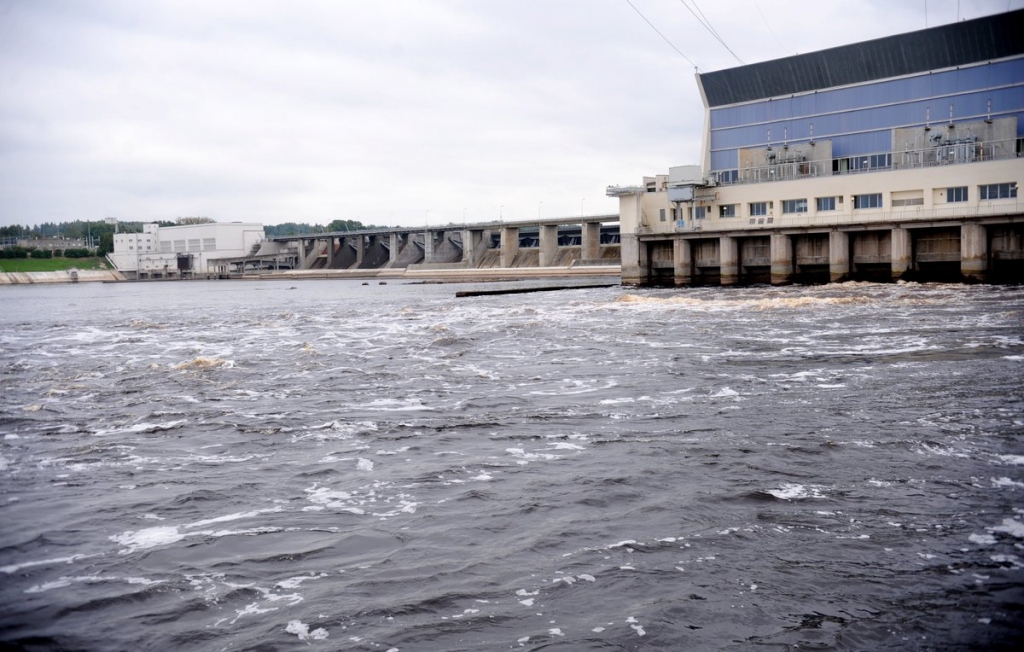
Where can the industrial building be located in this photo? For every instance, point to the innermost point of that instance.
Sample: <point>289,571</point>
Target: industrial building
<point>899,157</point>
<point>184,251</point>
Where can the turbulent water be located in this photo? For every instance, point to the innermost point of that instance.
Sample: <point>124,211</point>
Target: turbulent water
<point>338,466</point>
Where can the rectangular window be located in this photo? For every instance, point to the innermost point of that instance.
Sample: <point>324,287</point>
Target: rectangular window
<point>999,190</point>
<point>165,246</point>
<point>179,246</point>
<point>758,208</point>
<point>699,212</point>
<point>729,210</point>
<point>956,194</point>
<point>910,201</point>
<point>794,205</point>
<point>873,200</point>
<point>661,214</point>
<point>727,176</point>
<point>209,244</point>
<point>826,203</point>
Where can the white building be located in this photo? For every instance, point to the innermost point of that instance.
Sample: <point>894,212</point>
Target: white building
<point>893,158</point>
<point>183,251</point>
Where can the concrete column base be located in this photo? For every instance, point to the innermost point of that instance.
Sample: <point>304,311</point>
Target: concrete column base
<point>728,260</point>
<point>682,258</point>
<point>782,259</point>
<point>900,253</point>
<point>634,260</point>
<point>838,256</point>
<point>974,252</point>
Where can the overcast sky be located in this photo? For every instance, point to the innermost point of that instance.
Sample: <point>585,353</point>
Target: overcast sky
<point>385,111</point>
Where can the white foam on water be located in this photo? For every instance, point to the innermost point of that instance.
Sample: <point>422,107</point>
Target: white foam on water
<point>726,392</point>
<point>144,427</point>
<point>792,491</point>
<point>1005,482</point>
<point>555,631</point>
<point>527,602</point>
<point>523,455</point>
<point>14,568</point>
<point>395,405</point>
<point>364,464</point>
<point>982,539</point>
<point>1010,526</point>
<point>483,477</point>
<point>147,538</point>
<point>564,445</point>
<point>232,517</point>
<point>64,582</point>
<point>1015,460</point>
<point>586,577</point>
<point>294,582</point>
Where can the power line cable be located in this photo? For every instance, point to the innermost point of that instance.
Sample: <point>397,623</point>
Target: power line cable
<point>707,25</point>
<point>769,26</point>
<point>672,45</point>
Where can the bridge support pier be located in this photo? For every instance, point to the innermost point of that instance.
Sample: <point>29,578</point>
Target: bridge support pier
<point>838,256</point>
<point>973,252</point>
<point>509,245</point>
<point>900,252</point>
<point>548,244</point>
<point>728,260</point>
<point>682,262</point>
<point>781,248</point>
<point>590,241</point>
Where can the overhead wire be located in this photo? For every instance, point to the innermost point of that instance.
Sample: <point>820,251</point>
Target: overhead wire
<point>707,25</point>
<point>671,44</point>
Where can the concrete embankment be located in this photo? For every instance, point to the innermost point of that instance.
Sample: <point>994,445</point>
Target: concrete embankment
<point>62,276</point>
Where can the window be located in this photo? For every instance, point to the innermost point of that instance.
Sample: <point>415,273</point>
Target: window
<point>728,210</point>
<point>909,201</point>
<point>209,244</point>
<point>826,203</point>
<point>794,205</point>
<point>758,208</point>
<point>727,176</point>
<point>956,194</point>
<point>699,212</point>
<point>867,201</point>
<point>999,190</point>
<point>661,214</point>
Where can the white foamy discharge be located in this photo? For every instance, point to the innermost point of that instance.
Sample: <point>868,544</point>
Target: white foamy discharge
<point>792,491</point>
<point>153,537</point>
<point>301,630</point>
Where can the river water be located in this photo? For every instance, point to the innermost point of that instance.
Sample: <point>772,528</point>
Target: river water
<point>330,465</point>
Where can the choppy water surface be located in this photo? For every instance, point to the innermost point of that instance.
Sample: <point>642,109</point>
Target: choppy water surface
<point>268,466</point>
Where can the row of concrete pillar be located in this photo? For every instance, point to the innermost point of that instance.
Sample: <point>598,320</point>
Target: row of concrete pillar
<point>438,247</point>
<point>973,256</point>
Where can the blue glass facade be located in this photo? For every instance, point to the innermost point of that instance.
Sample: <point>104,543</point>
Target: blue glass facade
<point>859,119</point>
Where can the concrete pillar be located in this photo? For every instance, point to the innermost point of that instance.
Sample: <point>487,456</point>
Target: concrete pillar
<point>428,246</point>
<point>635,263</point>
<point>471,239</point>
<point>900,252</point>
<point>782,259</point>
<point>548,245</point>
<point>393,245</point>
<point>838,256</point>
<point>590,239</point>
<point>509,245</point>
<point>360,244</point>
<point>973,252</point>
<point>682,259</point>
<point>729,260</point>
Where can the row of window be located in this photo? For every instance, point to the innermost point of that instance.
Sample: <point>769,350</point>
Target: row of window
<point>860,202</point>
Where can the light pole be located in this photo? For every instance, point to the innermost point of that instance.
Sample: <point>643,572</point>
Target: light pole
<point>501,216</point>
<point>538,209</point>
<point>581,206</point>
<point>426,220</point>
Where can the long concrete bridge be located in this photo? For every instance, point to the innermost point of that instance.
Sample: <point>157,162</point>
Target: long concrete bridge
<point>544,243</point>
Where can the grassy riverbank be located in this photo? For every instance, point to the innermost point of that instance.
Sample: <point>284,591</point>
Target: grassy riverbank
<point>50,264</point>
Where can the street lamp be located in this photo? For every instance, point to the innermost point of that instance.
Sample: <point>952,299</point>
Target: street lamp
<point>538,209</point>
<point>581,206</point>
<point>501,216</point>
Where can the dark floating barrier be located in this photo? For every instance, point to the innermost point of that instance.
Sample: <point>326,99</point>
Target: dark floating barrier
<point>549,288</point>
